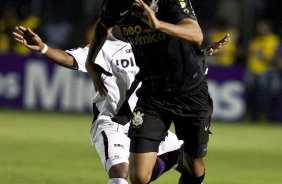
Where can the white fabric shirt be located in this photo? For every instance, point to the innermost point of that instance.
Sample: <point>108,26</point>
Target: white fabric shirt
<point>117,58</point>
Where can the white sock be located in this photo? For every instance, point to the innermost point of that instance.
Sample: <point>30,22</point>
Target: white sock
<point>117,181</point>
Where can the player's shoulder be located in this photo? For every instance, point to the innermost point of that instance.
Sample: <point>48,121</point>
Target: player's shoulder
<point>116,4</point>
<point>113,44</point>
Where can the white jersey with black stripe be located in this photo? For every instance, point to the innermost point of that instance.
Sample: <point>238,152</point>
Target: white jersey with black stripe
<point>116,57</point>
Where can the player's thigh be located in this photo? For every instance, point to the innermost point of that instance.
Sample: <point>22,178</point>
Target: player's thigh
<point>148,135</point>
<point>141,166</point>
<point>112,147</point>
<point>194,131</point>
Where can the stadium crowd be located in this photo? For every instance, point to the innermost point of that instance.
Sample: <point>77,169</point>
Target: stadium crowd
<point>254,25</point>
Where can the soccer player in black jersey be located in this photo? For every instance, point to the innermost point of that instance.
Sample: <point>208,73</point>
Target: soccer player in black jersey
<point>165,37</point>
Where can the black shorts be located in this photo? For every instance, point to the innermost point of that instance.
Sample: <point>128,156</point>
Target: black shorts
<point>190,113</point>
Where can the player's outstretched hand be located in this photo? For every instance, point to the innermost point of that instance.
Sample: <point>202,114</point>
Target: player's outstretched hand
<point>95,72</point>
<point>216,46</point>
<point>28,38</point>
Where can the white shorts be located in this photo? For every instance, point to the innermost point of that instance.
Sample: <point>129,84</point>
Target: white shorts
<point>112,144</point>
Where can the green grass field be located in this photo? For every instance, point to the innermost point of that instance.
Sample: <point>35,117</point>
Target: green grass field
<point>54,148</point>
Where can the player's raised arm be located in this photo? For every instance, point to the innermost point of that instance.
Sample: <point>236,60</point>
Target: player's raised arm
<point>186,29</point>
<point>32,41</point>
<point>99,36</point>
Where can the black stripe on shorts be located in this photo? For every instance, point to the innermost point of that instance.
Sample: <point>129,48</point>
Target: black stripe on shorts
<point>106,144</point>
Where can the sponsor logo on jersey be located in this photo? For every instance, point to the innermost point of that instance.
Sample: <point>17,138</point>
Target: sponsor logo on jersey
<point>116,157</point>
<point>186,10</point>
<point>137,120</point>
<point>182,4</point>
<point>142,36</point>
<point>154,6</point>
<point>185,6</point>
<point>119,145</point>
<point>126,66</point>
<point>128,50</point>
<point>195,75</point>
<point>125,63</point>
<point>121,14</point>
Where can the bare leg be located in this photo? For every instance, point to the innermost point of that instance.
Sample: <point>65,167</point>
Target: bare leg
<point>119,171</point>
<point>195,166</point>
<point>141,167</point>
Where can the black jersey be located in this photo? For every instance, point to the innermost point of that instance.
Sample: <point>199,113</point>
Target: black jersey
<point>167,65</point>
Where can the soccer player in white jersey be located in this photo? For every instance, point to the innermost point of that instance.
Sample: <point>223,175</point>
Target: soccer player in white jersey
<point>109,138</point>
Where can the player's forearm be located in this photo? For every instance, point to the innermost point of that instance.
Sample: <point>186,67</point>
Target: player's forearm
<point>60,57</point>
<point>98,39</point>
<point>187,29</point>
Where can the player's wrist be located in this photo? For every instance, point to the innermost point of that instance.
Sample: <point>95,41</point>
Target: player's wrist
<point>160,25</point>
<point>44,48</point>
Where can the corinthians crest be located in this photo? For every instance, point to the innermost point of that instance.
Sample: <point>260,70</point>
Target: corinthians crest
<point>137,120</point>
<point>154,5</point>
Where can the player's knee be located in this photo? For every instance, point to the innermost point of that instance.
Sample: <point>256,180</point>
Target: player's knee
<point>196,165</point>
<point>119,171</point>
<point>139,177</point>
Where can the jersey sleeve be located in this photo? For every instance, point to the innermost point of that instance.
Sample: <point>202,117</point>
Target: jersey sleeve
<point>114,11</point>
<point>80,56</point>
<point>181,9</point>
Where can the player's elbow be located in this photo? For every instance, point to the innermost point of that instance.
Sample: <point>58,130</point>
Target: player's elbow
<point>194,32</point>
<point>198,38</point>
<point>70,62</point>
<point>87,65</point>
